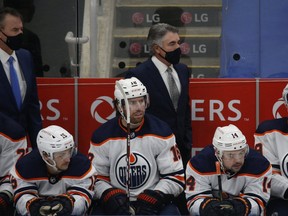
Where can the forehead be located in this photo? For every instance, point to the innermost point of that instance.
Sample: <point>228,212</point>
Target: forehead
<point>136,99</point>
<point>234,151</point>
<point>12,21</point>
<point>63,152</point>
<point>170,37</point>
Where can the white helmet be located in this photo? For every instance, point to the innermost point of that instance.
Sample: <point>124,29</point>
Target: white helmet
<point>54,139</point>
<point>229,138</point>
<point>132,88</point>
<point>285,95</point>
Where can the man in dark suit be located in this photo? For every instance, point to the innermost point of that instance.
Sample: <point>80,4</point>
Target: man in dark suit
<point>25,110</point>
<point>164,42</point>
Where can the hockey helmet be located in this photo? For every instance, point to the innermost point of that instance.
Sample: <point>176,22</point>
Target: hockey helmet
<point>229,138</point>
<point>132,88</point>
<point>54,139</point>
<point>285,95</point>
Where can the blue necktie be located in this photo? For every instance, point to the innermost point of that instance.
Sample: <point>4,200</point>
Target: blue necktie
<point>15,83</point>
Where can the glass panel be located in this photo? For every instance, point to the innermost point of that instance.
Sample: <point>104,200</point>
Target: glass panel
<point>46,24</point>
<point>113,33</point>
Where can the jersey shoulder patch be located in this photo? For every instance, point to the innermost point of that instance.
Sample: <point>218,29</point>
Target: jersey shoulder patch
<point>255,163</point>
<point>154,125</point>
<point>79,165</point>
<point>273,124</point>
<point>203,162</point>
<point>108,130</point>
<point>31,166</point>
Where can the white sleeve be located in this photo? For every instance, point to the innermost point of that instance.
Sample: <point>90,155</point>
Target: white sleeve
<point>22,201</point>
<point>170,167</point>
<point>196,184</point>
<point>102,166</point>
<point>279,183</point>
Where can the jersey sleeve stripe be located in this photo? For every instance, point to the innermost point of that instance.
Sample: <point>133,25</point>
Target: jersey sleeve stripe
<point>18,194</point>
<point>80,190</point>
<point>86,196</point>
<point>82,176</point>
<point>254,175</point>
<point>124,138</point>
<point>270,132</point>
<point>104,178</point>
<point>11,139</point>
<point>255,197</point>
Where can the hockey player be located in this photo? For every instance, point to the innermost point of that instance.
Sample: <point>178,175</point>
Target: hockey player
<point>228,178</point>
<point>54,179</point>
<point>13,145</point>
<point>271,139</point>
<point>156,169</point>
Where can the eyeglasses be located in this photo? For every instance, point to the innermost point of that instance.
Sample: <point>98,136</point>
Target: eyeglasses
<point>234,155</point>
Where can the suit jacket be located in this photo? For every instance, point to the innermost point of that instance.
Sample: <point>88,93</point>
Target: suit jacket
<point>29,114</point>
<point>161,104</point>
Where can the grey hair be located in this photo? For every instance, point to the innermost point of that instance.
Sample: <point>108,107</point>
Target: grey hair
<point>157,32</point>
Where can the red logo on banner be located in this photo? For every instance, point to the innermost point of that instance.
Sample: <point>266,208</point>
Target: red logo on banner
<point>186,17</point>
<point>279,109</point>
<point>137,18</point>
<point>185,48</point>
<point>135,48</point>
<point>101,102</point>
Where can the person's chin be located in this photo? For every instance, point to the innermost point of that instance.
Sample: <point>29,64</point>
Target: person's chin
<point>236,168</point>
<point>63,168</point>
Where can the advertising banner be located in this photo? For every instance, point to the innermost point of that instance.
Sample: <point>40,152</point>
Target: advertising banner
<point>57,102</point>
<point>220,102</point>
<point>81,105</point>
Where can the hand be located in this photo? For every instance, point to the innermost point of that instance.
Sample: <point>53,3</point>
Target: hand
<point>151,202</point>
<point>62,204</point>
<point>38,206</point>
<point>214,207</point>
<point>241,205</point>
<point>114,202</point>
<point>6,203</point>
<point>236,206</point>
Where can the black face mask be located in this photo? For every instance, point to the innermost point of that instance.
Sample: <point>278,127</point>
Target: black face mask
<point>172,57</point>
<point>14,42</point>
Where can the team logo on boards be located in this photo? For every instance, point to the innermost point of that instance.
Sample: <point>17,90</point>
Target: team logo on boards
<point>279,109</point>
<point>95,113</point>
<point>140,170</point>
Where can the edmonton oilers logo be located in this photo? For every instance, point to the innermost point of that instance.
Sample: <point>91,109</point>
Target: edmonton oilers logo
<point>284,165</point>
<point>140,170</point>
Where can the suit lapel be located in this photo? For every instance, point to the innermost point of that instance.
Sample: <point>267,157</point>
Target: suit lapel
<point>157,80</point>
<point>24,69</point>
<point>5,84</point>
<point>159,84</point>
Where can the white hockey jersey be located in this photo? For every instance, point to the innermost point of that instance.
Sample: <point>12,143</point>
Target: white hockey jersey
<point>155,160</point>
<point>13,145</point>
<point>30,179</point>
<point>252,181</point>
<point>271,139</point>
